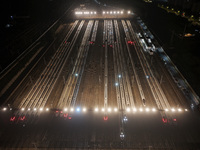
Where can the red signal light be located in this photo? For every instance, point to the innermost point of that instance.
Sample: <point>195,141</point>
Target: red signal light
<point>12,118</point>
<point>65,115</point>
<point>105,118</point>
<point>164,120</point>
<point>22,118</point>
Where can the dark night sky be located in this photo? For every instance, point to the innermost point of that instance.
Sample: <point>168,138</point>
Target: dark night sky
<point>18,7</point>
<point>32,8</point>
<point>25,13</point>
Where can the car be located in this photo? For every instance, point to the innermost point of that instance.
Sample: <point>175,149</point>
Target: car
<point>185,91</point>
<point>179,85</point>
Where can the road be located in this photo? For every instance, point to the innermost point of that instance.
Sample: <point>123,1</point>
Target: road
<point>99,88</point>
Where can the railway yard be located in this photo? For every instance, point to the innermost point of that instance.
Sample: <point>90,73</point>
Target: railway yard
<point>103,77</point>
<point>111,70</point>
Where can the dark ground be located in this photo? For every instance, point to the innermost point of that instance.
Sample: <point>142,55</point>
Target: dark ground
<point>167,27</point>
<point>185,53</point>
<point>27,20</point>
<point>89,130</point>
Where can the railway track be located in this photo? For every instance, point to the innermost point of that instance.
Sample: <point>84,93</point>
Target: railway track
<point>127,40</point>
<point>124,80</point>
<point>159,96</point>
<point>123,60</point>
<point>37,96</point>
<point>70,91</point>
